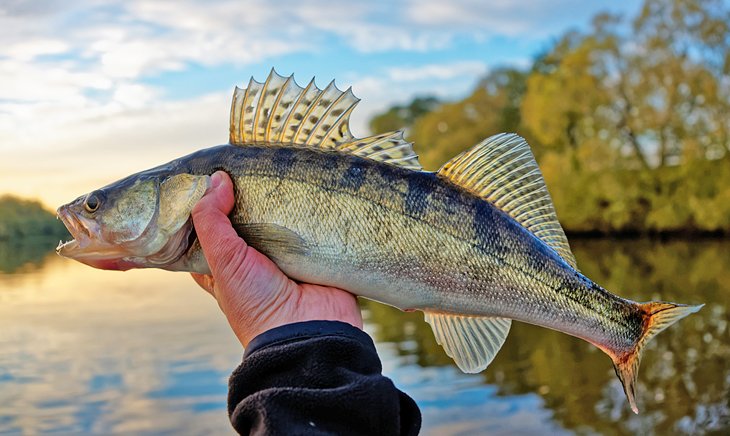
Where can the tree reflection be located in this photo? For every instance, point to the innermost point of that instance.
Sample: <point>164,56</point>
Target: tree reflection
<point>26,254</point>
<point>684,382</point>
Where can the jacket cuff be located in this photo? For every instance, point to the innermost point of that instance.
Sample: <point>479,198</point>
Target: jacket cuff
<point>305,330</point>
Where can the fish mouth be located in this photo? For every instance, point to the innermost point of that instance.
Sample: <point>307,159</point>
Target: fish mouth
<point>80,234</point>
<point>86,245</point>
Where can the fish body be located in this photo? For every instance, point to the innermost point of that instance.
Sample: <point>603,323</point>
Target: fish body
<point>409,239</point>
<point>473,246</point>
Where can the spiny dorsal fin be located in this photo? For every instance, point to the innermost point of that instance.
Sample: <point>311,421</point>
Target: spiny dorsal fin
<point>280,112</point>
<point>502,170</point>
<point>471,341</point>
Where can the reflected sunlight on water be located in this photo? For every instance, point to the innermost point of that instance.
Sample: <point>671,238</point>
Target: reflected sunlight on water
<point>94,351</point>
<point>87,351</point>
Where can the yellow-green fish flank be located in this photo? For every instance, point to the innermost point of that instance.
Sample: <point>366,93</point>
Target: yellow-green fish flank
<point>474,246</point>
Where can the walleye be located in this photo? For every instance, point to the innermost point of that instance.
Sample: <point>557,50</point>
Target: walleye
<point>474,245</point>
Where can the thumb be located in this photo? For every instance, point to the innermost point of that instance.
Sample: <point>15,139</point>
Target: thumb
<point>221,244</point>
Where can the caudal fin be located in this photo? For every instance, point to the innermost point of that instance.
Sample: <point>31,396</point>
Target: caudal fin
<point>658,316</point>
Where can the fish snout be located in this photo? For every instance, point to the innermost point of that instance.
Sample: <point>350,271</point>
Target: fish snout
<point>81,230</point>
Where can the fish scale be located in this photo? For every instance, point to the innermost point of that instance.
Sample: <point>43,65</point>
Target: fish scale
<point>307,192</point>
<point>474,246</point>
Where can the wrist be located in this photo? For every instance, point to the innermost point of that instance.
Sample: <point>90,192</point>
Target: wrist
<point>304,330</point>
<point>293,303</point>
<point>246,332</point>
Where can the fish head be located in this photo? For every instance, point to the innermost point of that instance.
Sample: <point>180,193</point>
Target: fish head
<point>142,221</point>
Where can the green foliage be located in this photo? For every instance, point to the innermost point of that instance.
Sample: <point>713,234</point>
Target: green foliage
<point>651,90</point>
<point>628,121</point>
<point>23,219</point>
<point>693,197</point>
<point>452,128</point>
<point>401,117</point>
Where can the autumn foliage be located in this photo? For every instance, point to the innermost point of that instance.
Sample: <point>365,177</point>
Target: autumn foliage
<point>630,120</point>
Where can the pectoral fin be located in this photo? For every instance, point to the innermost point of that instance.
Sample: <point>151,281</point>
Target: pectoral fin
<point>470,340</point>
<point>271,239</point>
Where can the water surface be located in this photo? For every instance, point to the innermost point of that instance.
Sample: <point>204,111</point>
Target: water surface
<point>147,352</point>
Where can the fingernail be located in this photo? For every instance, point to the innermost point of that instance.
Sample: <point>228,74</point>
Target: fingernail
<point>216,179</point>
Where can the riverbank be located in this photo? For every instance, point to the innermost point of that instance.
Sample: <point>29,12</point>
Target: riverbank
<point>21,219</point>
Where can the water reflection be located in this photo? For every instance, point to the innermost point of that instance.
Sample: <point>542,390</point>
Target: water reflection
<point>86,351</point>
<point>24,255</point>
<point>684,382</point>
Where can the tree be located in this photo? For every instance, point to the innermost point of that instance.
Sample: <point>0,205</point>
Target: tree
<point>20,219</point>
<point>493,107</point>
<point>403,117</point>
<point>649,93</point>
<point>628,120</point>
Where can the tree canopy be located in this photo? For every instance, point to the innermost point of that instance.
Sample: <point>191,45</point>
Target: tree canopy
<point>21,219</point>
<point>628,120</point>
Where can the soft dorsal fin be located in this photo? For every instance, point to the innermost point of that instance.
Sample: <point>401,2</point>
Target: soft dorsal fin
<point>472,341</point>
<point>502,170</point>
<point>280,112</point>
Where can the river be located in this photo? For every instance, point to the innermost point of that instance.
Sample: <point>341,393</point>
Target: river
<point>147,352</point>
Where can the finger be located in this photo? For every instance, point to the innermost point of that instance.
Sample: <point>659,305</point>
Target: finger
<point>205,281</point>
<point>221,244</point>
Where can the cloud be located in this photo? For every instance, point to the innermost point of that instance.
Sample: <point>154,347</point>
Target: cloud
<point>95,144</point>
<point>129,39</point>
<point>529,20</point>
<point>75,75</point>
<point>59,164</point>
<point>94,45</point>
<point>438,71</point>
<point>397,85</point>
<point>27,50</point>
<point>492,17</point>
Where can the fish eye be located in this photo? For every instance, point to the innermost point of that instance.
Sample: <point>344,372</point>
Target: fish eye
<point>92,202</point>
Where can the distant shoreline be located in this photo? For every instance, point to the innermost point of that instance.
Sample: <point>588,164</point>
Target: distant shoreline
<point>23,219</point>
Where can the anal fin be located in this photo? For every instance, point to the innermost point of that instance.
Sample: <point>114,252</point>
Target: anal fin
<point>472,341</point>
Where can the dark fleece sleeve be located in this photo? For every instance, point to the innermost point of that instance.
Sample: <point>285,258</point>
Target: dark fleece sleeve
<point>317,377</point>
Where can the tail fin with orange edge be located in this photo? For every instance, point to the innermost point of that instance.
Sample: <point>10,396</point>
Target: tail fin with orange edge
<point>658,316</point>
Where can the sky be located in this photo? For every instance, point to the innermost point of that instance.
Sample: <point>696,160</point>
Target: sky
<point>94,90</point>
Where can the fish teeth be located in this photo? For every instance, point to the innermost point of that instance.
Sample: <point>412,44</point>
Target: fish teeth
<point>61,243</point>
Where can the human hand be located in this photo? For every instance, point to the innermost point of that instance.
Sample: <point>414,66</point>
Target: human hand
<point>253,293</point>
